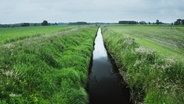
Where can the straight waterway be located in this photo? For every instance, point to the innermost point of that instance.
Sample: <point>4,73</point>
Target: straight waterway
<point>105,84</point>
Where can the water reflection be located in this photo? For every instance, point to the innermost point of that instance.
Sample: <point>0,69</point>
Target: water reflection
<point>105,86</point>
<point>99,51</point>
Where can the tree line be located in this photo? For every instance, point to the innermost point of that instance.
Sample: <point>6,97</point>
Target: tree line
<point>44,23</point>
<point>140,22</point>
<point>179,22</point>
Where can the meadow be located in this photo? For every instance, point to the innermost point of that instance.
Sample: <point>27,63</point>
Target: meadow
<point>151,60</point>
<point>18,33</point>
<point>51,68</point>
<point>165,39</point>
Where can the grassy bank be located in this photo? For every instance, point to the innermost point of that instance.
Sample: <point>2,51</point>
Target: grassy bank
<point>16,33</point>
<point>150,60</point>
<point>165,39</point>
<point>49,69</point>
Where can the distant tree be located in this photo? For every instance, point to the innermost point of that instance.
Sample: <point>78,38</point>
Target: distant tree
<point>34,24</point>
<point>179,22</point>
<point>45,23</point>
<point>157,21</point>
<point>142,22</point>
<point>55,23</point>
<point>182,21</point>
<point>78,23</point>
<point>128,22</point>
<point>25,24</point>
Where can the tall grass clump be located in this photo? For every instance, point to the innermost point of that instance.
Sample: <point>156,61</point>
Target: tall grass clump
<point>152,78</point>
<point>47,69</point>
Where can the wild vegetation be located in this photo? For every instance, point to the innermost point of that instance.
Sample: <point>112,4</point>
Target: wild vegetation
<point>150,58</point>
<point>46,69</point>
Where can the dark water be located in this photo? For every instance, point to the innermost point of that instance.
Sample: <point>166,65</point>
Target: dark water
<point>105,85</point>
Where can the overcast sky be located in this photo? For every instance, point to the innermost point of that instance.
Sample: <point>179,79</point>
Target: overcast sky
<point>16,11</point>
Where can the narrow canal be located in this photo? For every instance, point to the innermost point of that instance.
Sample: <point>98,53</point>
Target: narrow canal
<point>105,84</point>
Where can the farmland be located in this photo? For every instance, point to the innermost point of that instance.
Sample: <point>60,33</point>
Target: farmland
<point>48,68</point>
<point>50,64</point>
<point>151,60</point>
<point>166,40</point>
<point>17,33</point>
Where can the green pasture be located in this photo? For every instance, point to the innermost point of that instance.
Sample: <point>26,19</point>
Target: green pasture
<point>167,40</point>
<point>17,33</point>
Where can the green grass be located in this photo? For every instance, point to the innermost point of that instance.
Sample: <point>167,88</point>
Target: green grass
<point>150,60</point>
<point>47,69</point>
<point>166,40</point>
<point>13,34</point>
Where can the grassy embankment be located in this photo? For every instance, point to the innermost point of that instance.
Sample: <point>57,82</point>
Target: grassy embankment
<point>151,60</point>
<point>47,69</point>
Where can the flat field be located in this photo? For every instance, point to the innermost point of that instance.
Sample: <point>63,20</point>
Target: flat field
<point>167,40</point>
<point>151,60</point>
<point>15,33</point>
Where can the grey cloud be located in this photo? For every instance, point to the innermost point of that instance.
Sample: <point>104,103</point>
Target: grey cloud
<point>13,11</point>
